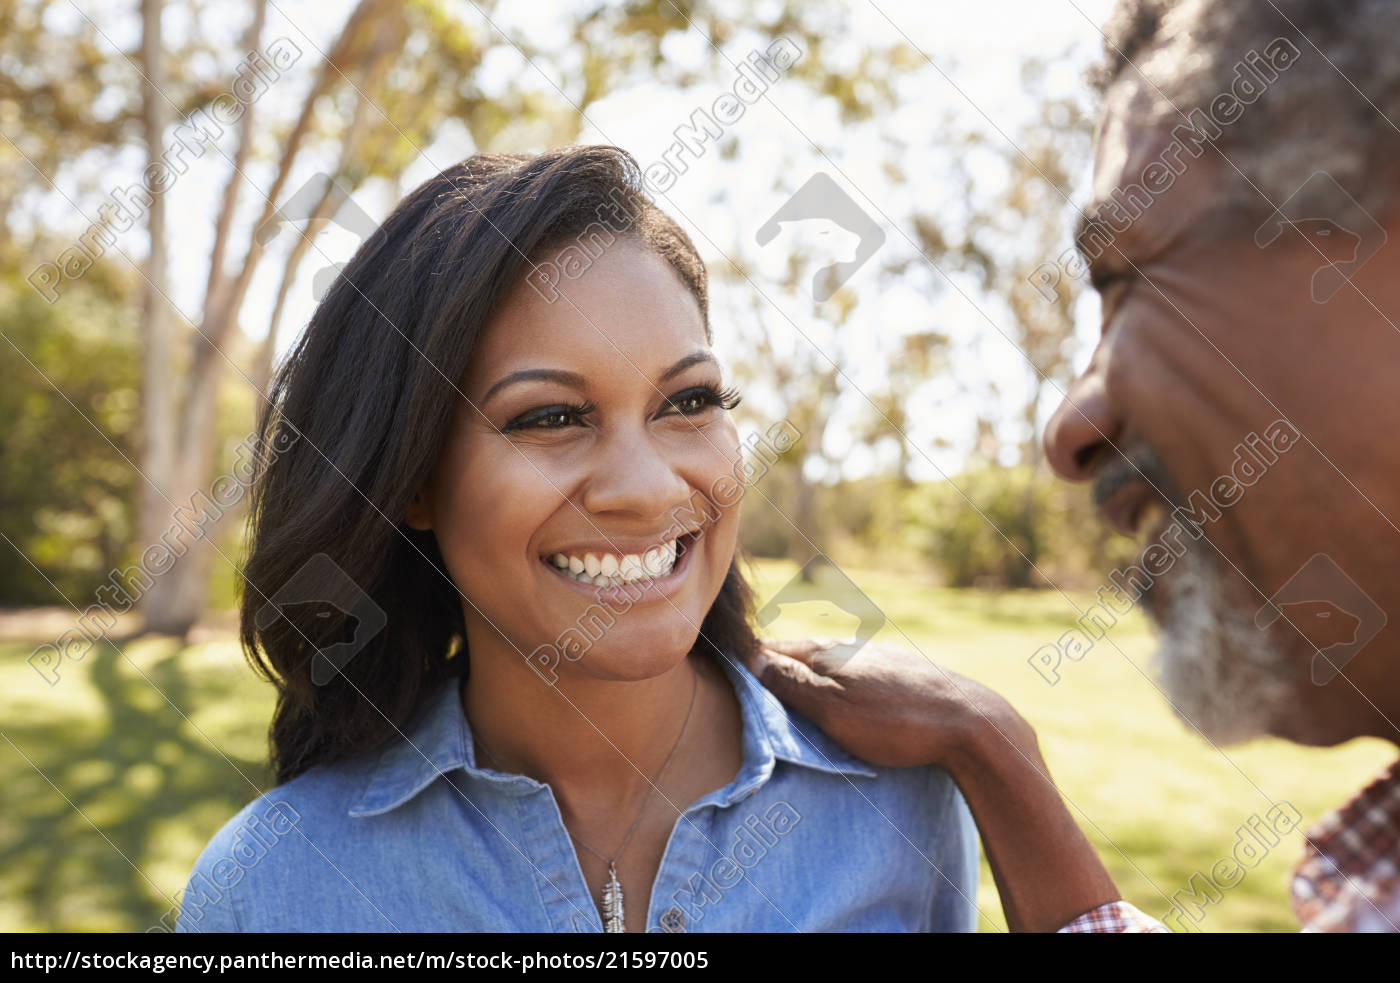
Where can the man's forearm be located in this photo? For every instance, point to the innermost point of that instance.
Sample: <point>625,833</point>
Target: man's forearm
<point>1045,870</point>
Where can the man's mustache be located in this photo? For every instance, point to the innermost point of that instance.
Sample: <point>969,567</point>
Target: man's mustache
<point>1135,463</point>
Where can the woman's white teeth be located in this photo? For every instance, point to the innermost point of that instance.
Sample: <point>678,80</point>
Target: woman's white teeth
<point>659,559</point>
<point>611,570</point>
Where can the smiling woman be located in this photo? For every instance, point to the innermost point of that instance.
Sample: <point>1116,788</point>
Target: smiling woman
<point>478,466</point>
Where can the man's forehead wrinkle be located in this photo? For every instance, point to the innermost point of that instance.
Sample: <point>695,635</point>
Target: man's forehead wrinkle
<point>1126,225</point>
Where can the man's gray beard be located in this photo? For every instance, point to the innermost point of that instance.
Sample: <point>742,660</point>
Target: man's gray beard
<point>1224,677</point>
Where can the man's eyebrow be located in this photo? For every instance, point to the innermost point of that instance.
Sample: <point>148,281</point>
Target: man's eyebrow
<point>1093,237</point>
<point>530,375</point>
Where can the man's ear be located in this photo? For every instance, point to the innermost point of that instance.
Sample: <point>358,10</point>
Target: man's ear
<point>417,516</point>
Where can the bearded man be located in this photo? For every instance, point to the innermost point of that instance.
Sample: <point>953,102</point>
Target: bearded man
<point>1239,414</point>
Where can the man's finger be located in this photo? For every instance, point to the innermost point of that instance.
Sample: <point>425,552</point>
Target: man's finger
<point>756,662</point>
<point>801,649</point>
<point>795,684</point>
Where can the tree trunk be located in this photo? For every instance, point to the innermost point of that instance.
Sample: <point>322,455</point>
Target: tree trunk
<point>177,597</point>
<point>159,412</point>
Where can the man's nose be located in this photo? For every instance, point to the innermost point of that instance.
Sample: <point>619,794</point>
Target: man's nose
<point>1082,428</point>
<point>632,473</point>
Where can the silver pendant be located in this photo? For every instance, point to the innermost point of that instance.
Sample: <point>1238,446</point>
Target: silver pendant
<point>612,902</point>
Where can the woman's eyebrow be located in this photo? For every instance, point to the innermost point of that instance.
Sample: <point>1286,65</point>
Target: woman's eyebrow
<point>529,375</point>
<point>577,381</point>
<point>694,358</point>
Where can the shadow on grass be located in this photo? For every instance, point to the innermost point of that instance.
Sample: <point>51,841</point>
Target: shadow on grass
<point>137,771</point>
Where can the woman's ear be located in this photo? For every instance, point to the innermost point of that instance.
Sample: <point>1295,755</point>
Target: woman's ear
<point>417,516</point>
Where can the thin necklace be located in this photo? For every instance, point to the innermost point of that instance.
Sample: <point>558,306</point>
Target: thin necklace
<point>612,890</point>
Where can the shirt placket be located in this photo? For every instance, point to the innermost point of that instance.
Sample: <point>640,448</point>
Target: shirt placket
<point>680,896</point>
<point>563,892</point>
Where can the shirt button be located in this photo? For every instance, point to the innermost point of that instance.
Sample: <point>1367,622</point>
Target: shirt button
<point>673,920</point>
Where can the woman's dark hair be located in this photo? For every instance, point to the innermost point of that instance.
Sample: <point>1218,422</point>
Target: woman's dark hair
<point>356,416</point>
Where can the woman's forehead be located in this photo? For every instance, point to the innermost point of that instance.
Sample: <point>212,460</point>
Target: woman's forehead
<point>628,311</point>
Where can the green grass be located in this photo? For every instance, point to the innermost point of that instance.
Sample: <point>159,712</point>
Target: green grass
<point>1158,803</point>
<point>124,789</point>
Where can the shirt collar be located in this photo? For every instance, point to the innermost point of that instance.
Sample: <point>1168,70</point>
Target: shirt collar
<point>439,741</point>
<point>1362,831</point>
<point>1344,850</point>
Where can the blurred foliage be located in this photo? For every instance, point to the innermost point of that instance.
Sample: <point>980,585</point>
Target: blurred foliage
<point>70,406</point>
<point>991,527</point>
<point>71,410</point>
<point>403,71</point>
<point>1007,527</point>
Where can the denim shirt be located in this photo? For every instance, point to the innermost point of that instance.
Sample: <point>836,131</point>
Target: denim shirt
<point>416,837</point>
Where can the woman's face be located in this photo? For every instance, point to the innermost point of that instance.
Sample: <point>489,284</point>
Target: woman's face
<point>585,497</point>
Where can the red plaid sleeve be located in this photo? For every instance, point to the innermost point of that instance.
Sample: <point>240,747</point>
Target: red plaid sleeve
<point>1116,916</point>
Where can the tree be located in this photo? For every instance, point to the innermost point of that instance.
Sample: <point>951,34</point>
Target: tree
<point>1015,221</point>
<point>70,406</point>
<point>397,72</point>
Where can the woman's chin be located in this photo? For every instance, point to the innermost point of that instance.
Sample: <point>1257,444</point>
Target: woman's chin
<point>625,659</point>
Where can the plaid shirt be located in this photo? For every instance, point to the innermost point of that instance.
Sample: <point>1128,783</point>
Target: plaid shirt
<point>1348,881</point>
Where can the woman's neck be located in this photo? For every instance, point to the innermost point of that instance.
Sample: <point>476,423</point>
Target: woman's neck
<point>587,737</point>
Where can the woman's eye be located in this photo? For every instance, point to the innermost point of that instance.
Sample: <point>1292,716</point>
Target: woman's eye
<point>696,400</point>
<point>547,418</point>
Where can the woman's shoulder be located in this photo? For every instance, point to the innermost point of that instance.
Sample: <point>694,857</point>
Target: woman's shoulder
<point>900,841</point>
<point>805,757</point>
<point>295,841</point>
<point>818,762</point>
<point>322,794</point>
<point>264,847</point>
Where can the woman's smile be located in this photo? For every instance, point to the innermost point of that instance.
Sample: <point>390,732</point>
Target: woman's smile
<point>650,574</point>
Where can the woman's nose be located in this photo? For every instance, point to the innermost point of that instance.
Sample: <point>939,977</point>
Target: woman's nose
<point>633,474</point>
<point>1083,427</point>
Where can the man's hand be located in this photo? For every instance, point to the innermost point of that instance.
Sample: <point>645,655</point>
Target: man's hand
<point>885,704</point>
<point>895,708</point>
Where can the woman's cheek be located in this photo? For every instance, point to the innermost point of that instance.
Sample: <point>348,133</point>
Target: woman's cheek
<point>712,451</point>
<point>483,484</point>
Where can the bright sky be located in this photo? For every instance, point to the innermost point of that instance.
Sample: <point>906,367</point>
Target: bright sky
<point>788,135</point>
